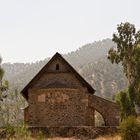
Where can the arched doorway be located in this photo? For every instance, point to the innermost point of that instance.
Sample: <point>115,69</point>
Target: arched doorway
<point>99,120</point>
<point>109,110</point>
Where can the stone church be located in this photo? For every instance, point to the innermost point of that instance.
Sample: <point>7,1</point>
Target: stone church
<point>58,96</point>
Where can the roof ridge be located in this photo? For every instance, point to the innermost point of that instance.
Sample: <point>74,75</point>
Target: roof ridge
<point>38,75</point>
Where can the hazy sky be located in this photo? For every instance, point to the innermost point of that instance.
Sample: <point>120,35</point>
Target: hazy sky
<point>32,30</point>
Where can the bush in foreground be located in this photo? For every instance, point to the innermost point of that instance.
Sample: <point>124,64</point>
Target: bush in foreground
<point>130,129</point>
<point>17,132</point>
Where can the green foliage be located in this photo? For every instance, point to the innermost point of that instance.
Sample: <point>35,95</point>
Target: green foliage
<point>126,105</point>
<point>130,129</point>
<point>128,53</point>
<point>11,112</point>
<point>40,136</point>
<point>22,132</point>
<point>17,132</point>
<point>10,131</point>
<point>3,84</point>
<point>3,90</point>
<point>10,102</point>
<point>126,39</point>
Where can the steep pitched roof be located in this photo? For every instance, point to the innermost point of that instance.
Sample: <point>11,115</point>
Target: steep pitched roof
<point>39,74</point>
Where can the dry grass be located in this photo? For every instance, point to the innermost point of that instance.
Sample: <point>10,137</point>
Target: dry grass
<point>100,138</point>
<point>63,139</point>
<point>109,138</point>
<point>58,138</point>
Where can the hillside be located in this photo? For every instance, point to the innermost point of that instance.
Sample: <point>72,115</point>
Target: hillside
<point>89,60</point>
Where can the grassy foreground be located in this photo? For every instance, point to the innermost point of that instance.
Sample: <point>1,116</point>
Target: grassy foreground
<point>58,138</point>
<point>22,133</point>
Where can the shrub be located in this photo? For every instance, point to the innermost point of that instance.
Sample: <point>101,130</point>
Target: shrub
<point>130,129</point>
<point>22,132</point>
<point>17,132</point>
<point>10,131</point>
<point>40,136</point>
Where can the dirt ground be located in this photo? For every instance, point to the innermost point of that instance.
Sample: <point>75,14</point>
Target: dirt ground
<point>100,138</point>
<point>58,138</point>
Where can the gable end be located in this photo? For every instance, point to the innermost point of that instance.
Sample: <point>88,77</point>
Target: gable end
<point>40,73</point>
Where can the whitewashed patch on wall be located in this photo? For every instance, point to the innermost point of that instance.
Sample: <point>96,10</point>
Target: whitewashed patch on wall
<point>41,98</point>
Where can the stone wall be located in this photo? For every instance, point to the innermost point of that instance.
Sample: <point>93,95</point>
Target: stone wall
<point>57,107</point>
<point>109,110</point>
<point>26,114</point>
<point>58,97</point>
<point>68,107</point>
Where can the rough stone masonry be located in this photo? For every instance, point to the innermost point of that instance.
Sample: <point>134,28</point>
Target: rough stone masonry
<point>59,97</point>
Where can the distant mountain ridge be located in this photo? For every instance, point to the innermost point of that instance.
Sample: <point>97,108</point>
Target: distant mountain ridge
<point>90,52</point>
<point>89,60</point>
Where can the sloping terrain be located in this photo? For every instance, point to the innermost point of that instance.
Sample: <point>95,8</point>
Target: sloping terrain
<point>89,60</point>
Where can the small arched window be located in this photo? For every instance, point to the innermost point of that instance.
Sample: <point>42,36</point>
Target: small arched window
<point>57,66</point>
